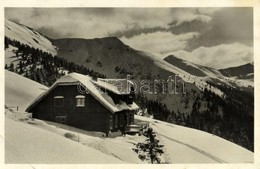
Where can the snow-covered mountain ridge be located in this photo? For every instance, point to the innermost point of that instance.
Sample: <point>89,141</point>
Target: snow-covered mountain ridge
<point>28,36</point>
<point>235,77</point>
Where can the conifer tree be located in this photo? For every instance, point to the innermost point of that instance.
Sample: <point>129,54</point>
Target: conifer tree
<point>150,149</point>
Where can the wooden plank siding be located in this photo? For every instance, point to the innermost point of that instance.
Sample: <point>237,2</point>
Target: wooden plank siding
<point>92,117</point>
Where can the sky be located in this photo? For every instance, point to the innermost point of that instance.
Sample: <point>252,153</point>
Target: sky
<point>214,37</point>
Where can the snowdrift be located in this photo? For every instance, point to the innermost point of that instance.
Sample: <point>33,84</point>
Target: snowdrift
<point>26,143</point>
<point>20,91</point>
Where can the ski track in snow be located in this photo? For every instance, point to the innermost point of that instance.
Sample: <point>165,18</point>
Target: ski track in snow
<point>195,148</point>
<point>166,156</point>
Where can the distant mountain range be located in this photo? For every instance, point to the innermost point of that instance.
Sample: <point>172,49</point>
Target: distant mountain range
<point>241,72</point>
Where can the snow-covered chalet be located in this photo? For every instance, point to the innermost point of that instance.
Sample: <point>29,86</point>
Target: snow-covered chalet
<point>95,105</point>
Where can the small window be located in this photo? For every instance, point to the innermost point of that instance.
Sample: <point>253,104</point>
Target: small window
<point>58,101</point>
<point>80,101</point>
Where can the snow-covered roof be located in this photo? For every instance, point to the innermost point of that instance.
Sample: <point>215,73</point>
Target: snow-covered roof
<point>93,88</point>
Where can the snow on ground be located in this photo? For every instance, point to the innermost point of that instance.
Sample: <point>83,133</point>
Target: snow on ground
<point>35,141</point>
<point>28,36</point>
<point>118,147</point>
<point>25,143</point>
<point>187,145</point>
<point>20,91</point>
<point>242,82</point>
<point>23,136</point>
<point>32,141</point>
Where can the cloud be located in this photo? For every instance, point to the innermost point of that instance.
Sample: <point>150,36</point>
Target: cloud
<point>220,56</point>
<point>208,11</point>
<point>190,16</point>
<point>159,42</point>
<point>228,25</point>
<point>101,22</point>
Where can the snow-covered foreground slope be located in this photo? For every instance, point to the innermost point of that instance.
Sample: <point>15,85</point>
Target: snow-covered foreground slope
<point>38,142</point>
<point>186,145</point>
<point>20,91</point>
<point>25,143</point>
<point>28,36</point>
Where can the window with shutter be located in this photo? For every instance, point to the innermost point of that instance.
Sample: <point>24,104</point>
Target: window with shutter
<point>80,101</point>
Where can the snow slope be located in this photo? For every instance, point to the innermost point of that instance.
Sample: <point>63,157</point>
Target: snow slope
<point>20,91</point>
<point>26,143</point>
<point>195,71</point>
<point>28,36</point>
<point>187,145</point>
<point>180,147</point>
<point>200,82</point>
